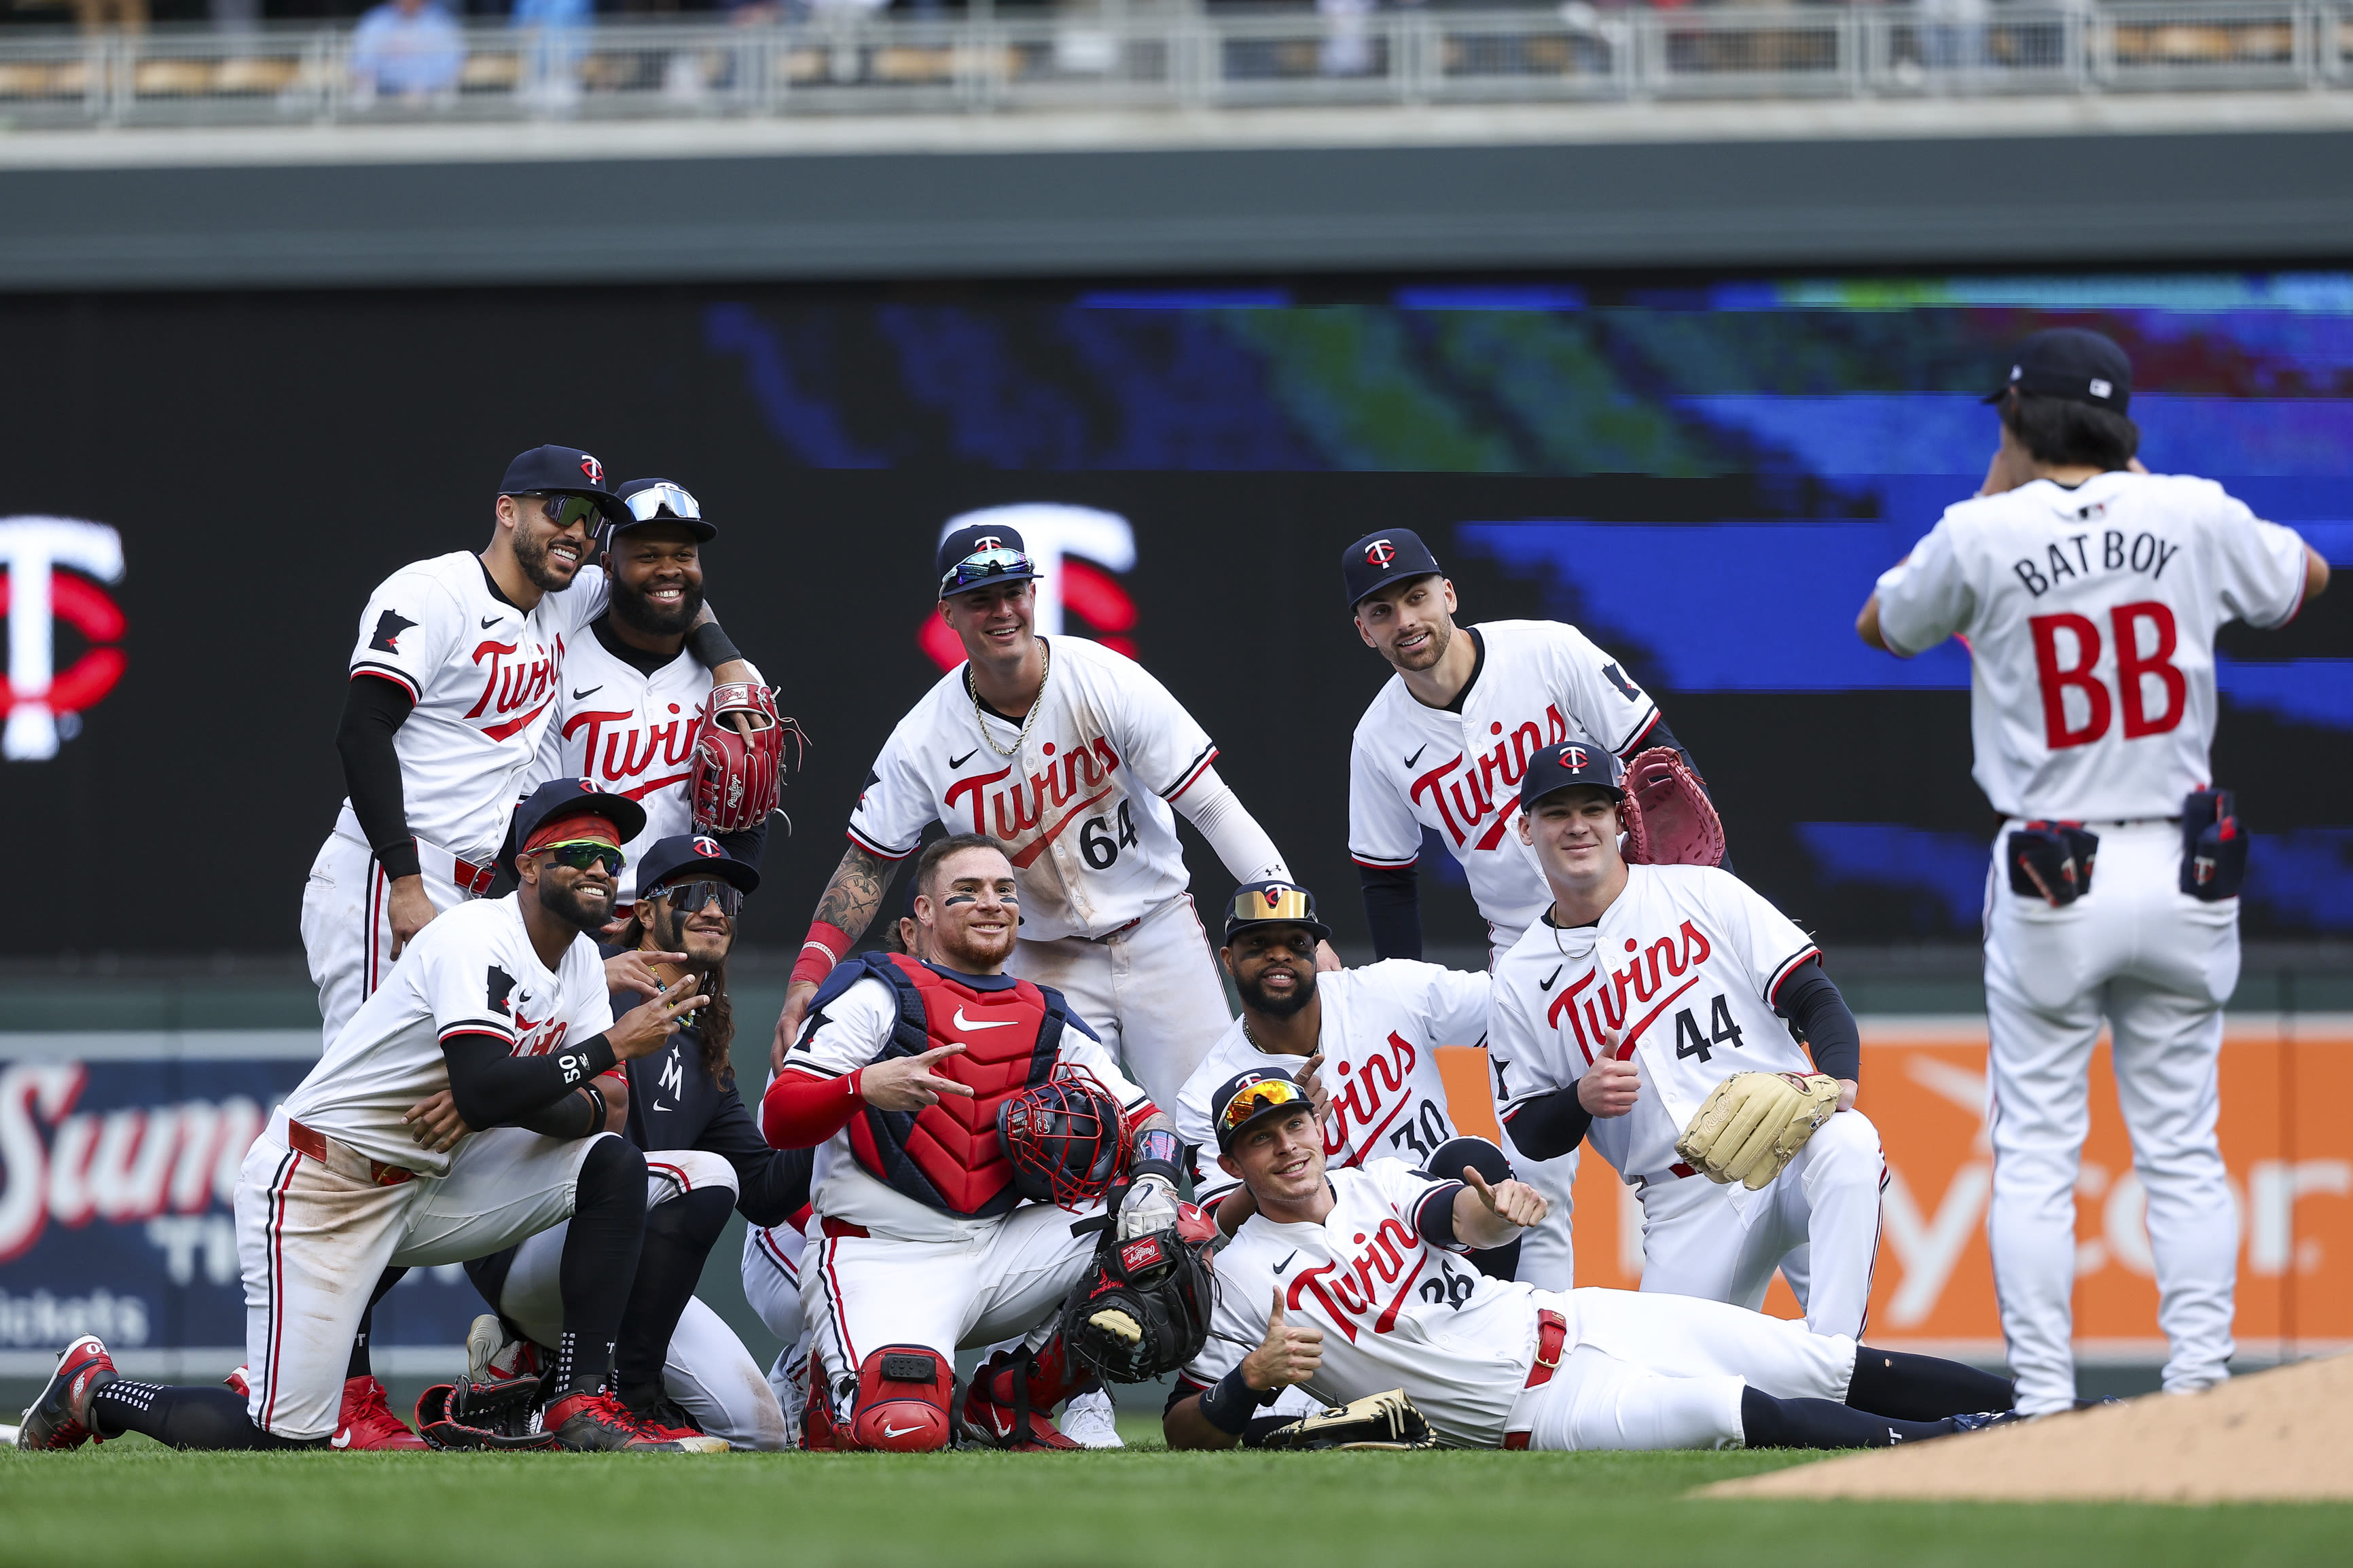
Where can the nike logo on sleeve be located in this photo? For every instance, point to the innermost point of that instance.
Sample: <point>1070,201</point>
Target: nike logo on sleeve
<point>974,1024</point>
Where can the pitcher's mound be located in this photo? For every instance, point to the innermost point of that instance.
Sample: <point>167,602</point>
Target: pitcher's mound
<point>2277,1436</point>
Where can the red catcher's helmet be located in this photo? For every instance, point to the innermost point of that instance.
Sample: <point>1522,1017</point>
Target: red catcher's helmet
<point>1065,1139</point>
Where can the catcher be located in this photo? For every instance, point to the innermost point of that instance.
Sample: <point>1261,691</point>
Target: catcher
<point>1645,1011</point>
<point>1351,1283</point>
<point>962,1119</point>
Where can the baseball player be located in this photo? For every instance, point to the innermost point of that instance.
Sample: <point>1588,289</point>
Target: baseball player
<point>1346,1281</point>
<point>503,1003</point>
<point>1368,1035</point>
<point>635,704</point>
<point>1626,1005</point>
<point>1072,757</point>
<point>2090,591</point>
<point>1443,748</point>
<point>923,1244</point>
<point>677,1366</point>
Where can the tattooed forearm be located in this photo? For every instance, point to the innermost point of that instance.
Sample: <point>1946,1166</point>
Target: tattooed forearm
<point>855,892</point>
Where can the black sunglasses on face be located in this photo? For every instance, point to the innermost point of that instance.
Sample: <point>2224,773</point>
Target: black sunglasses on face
<point>692,897</point>
<point>580,856</point>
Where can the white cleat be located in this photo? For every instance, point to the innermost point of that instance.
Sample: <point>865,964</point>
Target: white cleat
<point>1092,1419</point>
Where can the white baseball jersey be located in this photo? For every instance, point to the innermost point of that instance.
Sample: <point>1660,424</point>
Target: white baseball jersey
<point>1396,1311</point>
<point>856,1028</point>
<point>632,733</point>
<point>483,675</point>
<point>1682,967</point>
<point>1379,1034</point>
<point>2091,615</point>
<point>471,971</point>
<point>1414,766</point>
<point>1083,811</point>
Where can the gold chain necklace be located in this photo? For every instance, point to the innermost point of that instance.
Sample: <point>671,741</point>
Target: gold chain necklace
<point>980,713</point>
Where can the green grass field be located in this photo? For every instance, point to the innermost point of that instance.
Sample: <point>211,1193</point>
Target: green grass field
<point>133,1501</point>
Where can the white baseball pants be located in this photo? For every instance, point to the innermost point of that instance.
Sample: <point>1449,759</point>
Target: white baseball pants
<point>1818,1221</point>
<point>347,924</point>
<point>312,1243</point>
<point>1642,1371</point>
<point>707,1368</point>
<point>772,1284</point>
<point>2157,964</point>
<point>1151,991</point>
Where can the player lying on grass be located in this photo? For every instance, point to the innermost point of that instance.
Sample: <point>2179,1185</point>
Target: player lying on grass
<point>1346,1282</point>
<point>924,1242</point>
<point>503,1003</point>
<point>677,1365</point>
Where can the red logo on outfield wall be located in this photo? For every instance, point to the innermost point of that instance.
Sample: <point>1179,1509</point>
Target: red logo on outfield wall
<point>49,563</point>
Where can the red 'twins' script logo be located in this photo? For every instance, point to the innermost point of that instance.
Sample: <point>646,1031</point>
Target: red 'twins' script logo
<point>511,683</point>
<point>1361,1290</point>
<point>42,705</point>
<point>1648,972</point>
<point>1072,784</point>
<point>1489,782</point>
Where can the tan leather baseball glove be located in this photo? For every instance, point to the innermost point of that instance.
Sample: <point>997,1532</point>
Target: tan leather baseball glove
<point>1754,1123</point>
<point>1377,1421</point>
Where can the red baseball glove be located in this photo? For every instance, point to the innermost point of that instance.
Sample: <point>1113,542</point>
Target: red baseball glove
<point>739,758</point>
<point>1668,817</point>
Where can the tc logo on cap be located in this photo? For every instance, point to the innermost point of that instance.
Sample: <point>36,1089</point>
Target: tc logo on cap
<point>706,846</point>
<point>587,786</point>
<point>986,542</point>
<point>1573,758</point>
<point>594,470</point>
<point>1380,552</point>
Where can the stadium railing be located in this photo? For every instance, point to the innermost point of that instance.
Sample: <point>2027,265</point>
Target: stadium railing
<point>1183,58</point>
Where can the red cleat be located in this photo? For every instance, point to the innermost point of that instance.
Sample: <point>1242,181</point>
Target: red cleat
<point>587,1423</point>
<point>368,1422</point>
<point>59,1418</point>
<point>992,1410</point>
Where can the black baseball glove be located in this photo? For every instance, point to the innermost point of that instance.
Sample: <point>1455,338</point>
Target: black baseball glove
<point>1142,1310</point>
<point>501,1415</point>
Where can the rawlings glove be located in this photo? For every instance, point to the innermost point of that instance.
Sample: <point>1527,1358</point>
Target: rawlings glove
<point>1378,1421</point>
<point>735,777</point>
<point>1150,1205</point>
<point>1753,1123</point>
<point>503,1414</point>
<point>1668,817</point>
<point>1143,1308</point>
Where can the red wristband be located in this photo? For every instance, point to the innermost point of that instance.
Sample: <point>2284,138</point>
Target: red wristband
<point>826,945</point>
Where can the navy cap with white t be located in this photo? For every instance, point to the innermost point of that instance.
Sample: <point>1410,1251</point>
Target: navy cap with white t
<point>1377,559</point>
<point>2072,364</point>
<point>693,857</point>
<point>980,554</point>
<point>562,799</point>
<point>561,470</point>
<point>1567,762</point>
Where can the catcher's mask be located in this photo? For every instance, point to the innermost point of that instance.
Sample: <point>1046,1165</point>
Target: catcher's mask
<point>1064,1137</point>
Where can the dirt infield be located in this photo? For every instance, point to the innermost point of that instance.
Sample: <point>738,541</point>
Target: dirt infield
<point>2275,1436</point>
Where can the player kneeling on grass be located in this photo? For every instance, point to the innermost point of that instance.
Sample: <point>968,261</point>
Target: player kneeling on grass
<point>678,1366</point>
<point>942,1093</point>
<point>502,1001</point>
<point>1349,1283</point>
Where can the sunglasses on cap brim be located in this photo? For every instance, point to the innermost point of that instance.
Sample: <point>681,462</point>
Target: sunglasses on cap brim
<point>663,500</point>
<point>983,567</point>
<point>582,853</point>
<point>1270,1095</point>
<point>693,897</point>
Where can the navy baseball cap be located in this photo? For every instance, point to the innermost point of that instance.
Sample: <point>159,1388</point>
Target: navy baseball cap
<point>2071,363</point>
<point>1274,903</point>
<point>1566,763</point>
<point>981,554</point>
<point>1247,1099</point>
<point>561,470</point>
<point>692,857</point>
<point>576,797</point>
<point>659,500</point>
<point>1377,559</point>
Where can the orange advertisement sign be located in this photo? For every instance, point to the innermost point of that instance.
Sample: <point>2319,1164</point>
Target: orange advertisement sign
<point>2284,1084</point>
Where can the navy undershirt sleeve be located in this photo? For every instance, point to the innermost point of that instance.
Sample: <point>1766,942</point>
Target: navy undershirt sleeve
<point>373,711</point>
<point>1393,909</point>
<point>1546,1126</point>
<point>1809,1000</point>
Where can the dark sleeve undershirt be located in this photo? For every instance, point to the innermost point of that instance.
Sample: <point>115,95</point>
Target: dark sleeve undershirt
<point>1393,909</point>
<point>770,1184</point>
<point>1809,1000</point>
<point>710,645</point>
<point>576,1115</point>
<point>373,711</point>
<point>494,1087</point>
<point>1546,1126</point>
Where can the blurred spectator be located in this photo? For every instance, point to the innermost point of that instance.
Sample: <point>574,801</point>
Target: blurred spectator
<point>409,49</point>
<point>1953,34</point>
<point>97,15</point>
<point>1347,42</point>
<point>552,63</point>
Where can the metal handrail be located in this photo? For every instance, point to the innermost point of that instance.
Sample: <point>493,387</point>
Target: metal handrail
<point>836,63</point>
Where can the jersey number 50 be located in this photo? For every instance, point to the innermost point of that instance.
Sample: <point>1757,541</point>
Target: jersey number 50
<point>2078,639</point>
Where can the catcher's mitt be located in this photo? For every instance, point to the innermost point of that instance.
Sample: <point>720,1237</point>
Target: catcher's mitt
<point>735,777</point>
<point>1753,1123</point>
<point>1378,1421</point>
<point>1668,818</point>
<point>1143,1310</point>
<point>501,1415</point>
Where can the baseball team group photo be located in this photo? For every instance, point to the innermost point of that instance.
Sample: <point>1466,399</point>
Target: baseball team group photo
<point>1070,1132</point>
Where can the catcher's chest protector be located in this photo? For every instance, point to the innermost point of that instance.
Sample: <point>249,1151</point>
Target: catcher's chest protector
<point>948,1155</point>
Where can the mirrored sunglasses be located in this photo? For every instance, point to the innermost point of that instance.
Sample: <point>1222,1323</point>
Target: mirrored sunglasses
<point>664,499</point>
<point>1258,1097</point>
<point>563,510</point>
<point>1255,904</point>
<point>693,897</point>
<point>982,566</point>
<point>581,854</point>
